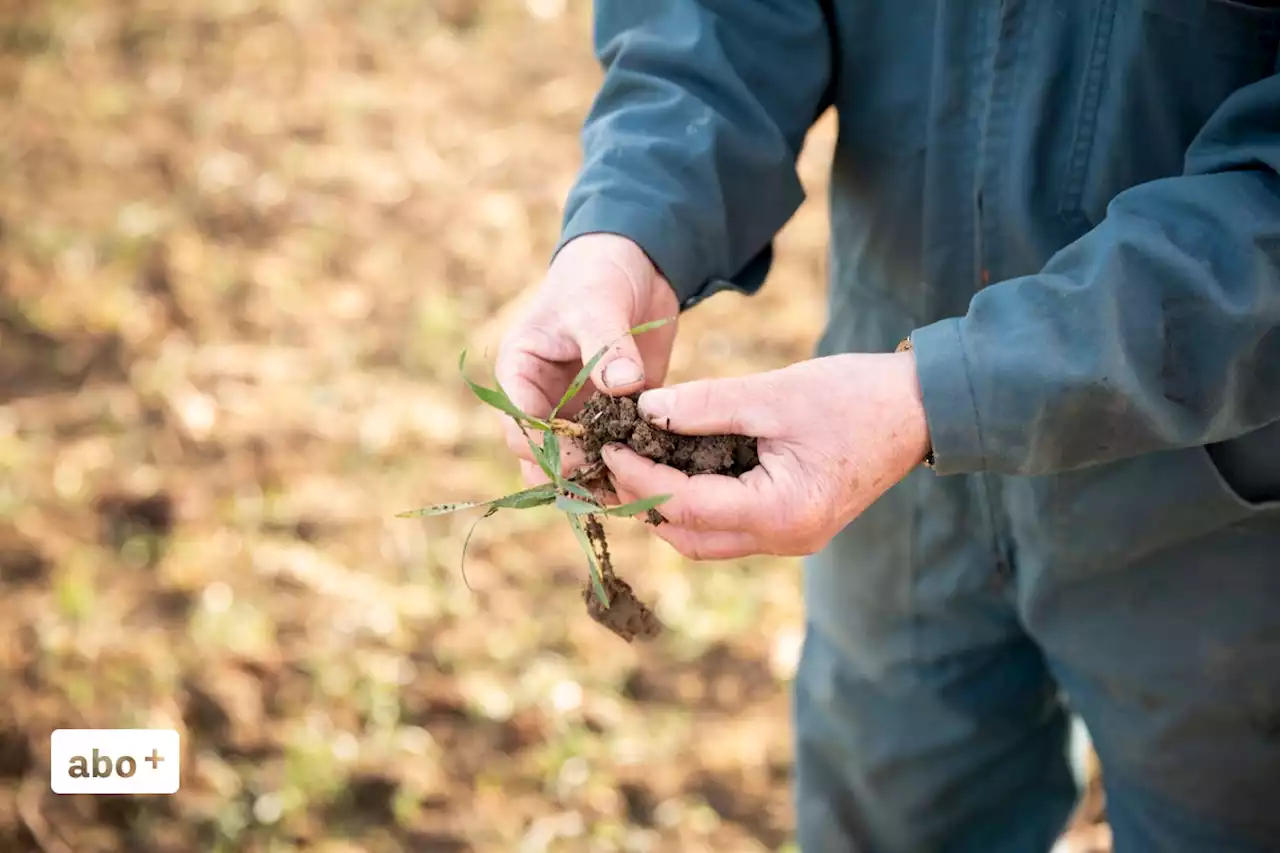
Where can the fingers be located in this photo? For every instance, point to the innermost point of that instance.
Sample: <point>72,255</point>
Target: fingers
<point>620,370</point>
<point>618,280</point>
<point>527,369</point>
<point>702,502</point>
<point>516,441</point>
<point>532,473</point>
<point>747,405</point>
<point>571,456</point>
<point>701,544</point>
<point>710,545</point>
<point>538,359</point>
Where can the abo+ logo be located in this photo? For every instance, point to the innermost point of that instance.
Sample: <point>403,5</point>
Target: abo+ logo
<point>114,761</point>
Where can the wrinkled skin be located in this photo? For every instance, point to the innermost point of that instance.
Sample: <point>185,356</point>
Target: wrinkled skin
<point>835,434</point>
<point>598,287</point>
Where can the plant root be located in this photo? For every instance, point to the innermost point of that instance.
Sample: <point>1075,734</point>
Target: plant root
<point>626,615</point>
<point>604,420</point>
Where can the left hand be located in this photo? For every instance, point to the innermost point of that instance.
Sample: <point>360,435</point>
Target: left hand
<point>834,434</point>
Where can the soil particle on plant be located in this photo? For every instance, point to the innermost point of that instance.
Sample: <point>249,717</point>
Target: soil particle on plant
<point>608,419</point>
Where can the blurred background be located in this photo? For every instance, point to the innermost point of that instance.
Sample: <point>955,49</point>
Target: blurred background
<point>242,243</point>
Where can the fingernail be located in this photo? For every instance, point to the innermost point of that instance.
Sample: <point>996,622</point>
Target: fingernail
<point>621,372</point>
<point>655,405</point>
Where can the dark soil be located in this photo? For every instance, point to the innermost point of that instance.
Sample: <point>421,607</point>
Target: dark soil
<point>617,419</point>
<point>607,420</point>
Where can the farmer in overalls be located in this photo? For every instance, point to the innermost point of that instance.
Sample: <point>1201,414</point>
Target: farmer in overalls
<point>1071,210</point>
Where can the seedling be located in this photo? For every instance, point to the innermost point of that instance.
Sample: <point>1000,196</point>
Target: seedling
<point>579,495</point>
<point>610,600</point>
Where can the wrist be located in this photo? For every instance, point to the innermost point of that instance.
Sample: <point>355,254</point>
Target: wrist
<point>615,249</point>
<point>921,446</point>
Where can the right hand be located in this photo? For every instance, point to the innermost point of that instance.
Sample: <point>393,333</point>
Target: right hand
<point>598,287</point>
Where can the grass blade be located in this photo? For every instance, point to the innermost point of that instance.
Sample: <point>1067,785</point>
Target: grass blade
<point>581,379</point>
<point>635,507</point>
<point>550,459</point>
<point>498,399</point>
<point>650,326</point>
<point>597,586</point>
<point>462,566</point>
<point>542,495</point>
<point>573,506</point>
<point>440,509</point>
<point>580,491</point>
<point>540,458</point>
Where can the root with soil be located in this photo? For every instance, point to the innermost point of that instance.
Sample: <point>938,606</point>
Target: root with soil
<point>604,420</point>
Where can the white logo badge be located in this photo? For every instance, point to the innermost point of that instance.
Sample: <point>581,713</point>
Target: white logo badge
<point>114,761</point>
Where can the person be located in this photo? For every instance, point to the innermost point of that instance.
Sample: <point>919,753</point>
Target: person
<point>1071,210</point>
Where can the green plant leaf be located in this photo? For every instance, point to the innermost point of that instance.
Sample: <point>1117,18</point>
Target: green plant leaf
<point>593,569</point>
<point>650,326</point>
<point>573,506</point>
<point>581,379</point>
<point>635,507</point>
<point>551,457</point>
<point>440,509</point>
<point>576,489</point>
<point>498,399</point>
<point>462,566</point>
<point>540,458</point>
<point>541,495</point>
<point>527,499</point>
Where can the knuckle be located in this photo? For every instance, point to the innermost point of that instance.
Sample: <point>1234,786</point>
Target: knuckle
<point>683,541</point>
<point>754,414</point>
<point>680,513</point>
<point>693,549</point>
<point>700,398</point>
<point>518,445</point>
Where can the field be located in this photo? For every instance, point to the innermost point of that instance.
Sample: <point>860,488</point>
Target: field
<point>241,246</point>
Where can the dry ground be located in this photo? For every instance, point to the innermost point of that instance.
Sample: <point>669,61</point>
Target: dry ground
<point>241,245</point>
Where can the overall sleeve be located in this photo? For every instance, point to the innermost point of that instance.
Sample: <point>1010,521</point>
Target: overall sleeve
<point>690,147</point>
<point>1157,330</point>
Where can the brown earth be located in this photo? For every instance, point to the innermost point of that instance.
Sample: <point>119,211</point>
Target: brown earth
<point>617,419</point>
<point>241,245</point>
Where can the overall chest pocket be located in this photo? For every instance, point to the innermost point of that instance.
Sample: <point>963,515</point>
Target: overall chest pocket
<point>1159,70</point>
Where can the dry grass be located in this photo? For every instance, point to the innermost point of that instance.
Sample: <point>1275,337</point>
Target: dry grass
<point>241,244</point>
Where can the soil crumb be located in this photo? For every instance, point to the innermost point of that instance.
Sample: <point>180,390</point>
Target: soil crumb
<point>617,419</point>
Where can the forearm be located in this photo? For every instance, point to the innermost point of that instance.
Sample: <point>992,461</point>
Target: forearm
<point>690,147</point>
<point>1159,329</point>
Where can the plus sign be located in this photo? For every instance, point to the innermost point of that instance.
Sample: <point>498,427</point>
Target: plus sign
<point>155,758</point>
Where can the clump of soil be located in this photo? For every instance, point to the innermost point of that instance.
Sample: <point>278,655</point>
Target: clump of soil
<point>605,420</point>
<point>608,419</point>
<point>626,615</point>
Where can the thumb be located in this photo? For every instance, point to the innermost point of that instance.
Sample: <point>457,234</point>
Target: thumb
<point>744,406</point>
<point>620,370</point>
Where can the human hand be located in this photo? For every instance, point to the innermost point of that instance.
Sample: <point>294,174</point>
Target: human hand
<point>834,434</point>
<point>598,287</point>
